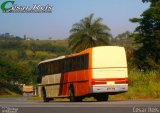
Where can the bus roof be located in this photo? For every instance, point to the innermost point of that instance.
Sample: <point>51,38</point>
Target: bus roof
<point>49,60</point>
<point>82,52</point>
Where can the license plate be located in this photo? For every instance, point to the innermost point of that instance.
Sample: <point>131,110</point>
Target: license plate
<point>111,89</point>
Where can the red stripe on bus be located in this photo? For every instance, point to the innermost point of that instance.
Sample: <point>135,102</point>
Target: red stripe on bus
<point>105,80</point>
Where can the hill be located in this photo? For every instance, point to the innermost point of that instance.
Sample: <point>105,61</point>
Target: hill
<point>20,57</point>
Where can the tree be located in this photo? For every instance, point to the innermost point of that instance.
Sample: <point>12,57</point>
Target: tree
<point>147,34</point>
<point>126,40</point>
<point>88,33</point>
<point>123,39</point>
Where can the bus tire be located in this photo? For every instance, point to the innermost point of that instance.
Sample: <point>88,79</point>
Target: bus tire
<point>79,99</point>
<point>102,97</point>
<point>45,99</point>
<point>72,97</point>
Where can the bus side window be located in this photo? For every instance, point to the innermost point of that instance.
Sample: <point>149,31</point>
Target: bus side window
<point>52,67</point>
<point>63,65</point>
<point>66,65</point>
<point>86,61</point>
<point>74,63</point>
<point>58,66</point>
<point>69,65</point>
<point>78,63</point>
<point>55,67</point>
<point>44,69</point>
<point>49,68</point>
<point>82,62</point>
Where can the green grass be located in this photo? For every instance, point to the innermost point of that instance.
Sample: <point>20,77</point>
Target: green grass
<point>6,93</point>
<point>142,85</point>
<point>35,98</point>
<point>10,96</point>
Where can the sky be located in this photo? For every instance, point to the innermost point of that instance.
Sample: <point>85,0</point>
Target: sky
<point>65,13</point>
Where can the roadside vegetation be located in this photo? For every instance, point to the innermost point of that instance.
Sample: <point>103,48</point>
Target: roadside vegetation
<point>142,85</point>
<point>19,56</point>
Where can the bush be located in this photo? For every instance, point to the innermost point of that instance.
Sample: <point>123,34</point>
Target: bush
<point>142,85</point>
<point>13,88</point>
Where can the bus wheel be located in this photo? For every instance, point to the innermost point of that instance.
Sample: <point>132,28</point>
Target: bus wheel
<point>71,95</point>
<point>45,99</point>
<point>79,99</point>
<point>102,97</point>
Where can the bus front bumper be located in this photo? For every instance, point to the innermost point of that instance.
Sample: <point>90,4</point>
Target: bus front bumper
<point>105,89</point>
